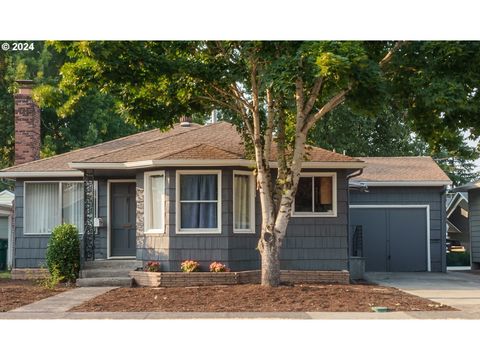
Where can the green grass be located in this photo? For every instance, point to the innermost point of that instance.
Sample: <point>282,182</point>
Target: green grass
<point>4,275</point>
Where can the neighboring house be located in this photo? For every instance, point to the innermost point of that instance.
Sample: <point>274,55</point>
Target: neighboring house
<point>399,202</point>
<point>457,219</point>
<point>473,190</point>
<point>190,193</point>
<point>6,217</point>
<point>187,193</point>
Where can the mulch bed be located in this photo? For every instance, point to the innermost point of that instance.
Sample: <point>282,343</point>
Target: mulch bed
<point>16,293</point>
<point>255,298</point>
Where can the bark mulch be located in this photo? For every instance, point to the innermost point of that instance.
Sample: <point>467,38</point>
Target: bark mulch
<point>16,293</point>
<point>255,298</point>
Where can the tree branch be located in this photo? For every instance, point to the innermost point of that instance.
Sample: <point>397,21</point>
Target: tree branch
<point>329,106</point>
<point>388,57</point>
<point>270,119</point>
<point>317,86</point>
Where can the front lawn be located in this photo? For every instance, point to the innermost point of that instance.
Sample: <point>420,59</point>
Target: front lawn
<point>16,293</point>
<point>255,298</point>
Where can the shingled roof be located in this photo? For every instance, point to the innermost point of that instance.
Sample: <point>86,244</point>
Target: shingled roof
<point>405,169</point>
<point>219,141</point>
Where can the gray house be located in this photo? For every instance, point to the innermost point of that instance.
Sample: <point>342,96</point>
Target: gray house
<point>473,190</point>
<point>187,193</point>
<point>399,204</point>
<point>457,219</point>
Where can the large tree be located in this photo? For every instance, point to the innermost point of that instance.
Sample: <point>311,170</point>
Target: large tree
<point>283,89</point>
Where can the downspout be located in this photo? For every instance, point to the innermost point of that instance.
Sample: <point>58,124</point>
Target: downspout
<point>356,173</point>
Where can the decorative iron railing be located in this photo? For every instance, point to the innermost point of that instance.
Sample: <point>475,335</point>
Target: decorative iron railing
<point>89,214</point>
<point>357,241</point>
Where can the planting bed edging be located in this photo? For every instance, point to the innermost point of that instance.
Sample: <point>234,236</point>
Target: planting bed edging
<point>181,279</point>
<point>29,274</point>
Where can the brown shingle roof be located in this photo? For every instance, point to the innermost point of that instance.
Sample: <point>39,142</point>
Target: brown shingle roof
<point>414,168</point>
<point>219,141</point>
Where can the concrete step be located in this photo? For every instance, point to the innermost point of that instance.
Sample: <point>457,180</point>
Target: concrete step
<point>104,273</point>
<point>112,264</point>
<point>105,281</point>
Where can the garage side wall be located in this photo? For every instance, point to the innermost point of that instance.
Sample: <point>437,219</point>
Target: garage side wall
<point>434,197</point>
<point>474,219</point>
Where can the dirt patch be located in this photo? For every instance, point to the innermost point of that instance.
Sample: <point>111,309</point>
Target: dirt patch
<point>255,298</point>
<point>16,293</point>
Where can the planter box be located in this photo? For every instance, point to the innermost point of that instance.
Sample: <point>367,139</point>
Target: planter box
<point>29,274</point>
<point>181,279</point>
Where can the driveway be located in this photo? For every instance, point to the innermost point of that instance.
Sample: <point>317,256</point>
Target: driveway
<point>460,290</point>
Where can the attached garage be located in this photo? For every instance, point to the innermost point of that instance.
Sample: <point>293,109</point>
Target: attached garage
<point>397,215</point>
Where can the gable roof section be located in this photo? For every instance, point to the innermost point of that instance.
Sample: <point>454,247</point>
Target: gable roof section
<point>402,171</point>
<point>458,200</point>
<point>217,143</point>
<point>6,198</point>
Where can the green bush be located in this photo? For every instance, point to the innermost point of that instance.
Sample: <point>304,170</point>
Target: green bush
<point>63,252</point>
<point>458,259</point>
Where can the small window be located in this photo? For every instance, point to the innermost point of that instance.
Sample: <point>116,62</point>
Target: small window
<point>316,195</point>
<point>154,202</point>
<point>243,202</point>
<point>198,202</point>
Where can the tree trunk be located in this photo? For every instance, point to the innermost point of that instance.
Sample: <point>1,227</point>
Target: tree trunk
<point>270,254</point>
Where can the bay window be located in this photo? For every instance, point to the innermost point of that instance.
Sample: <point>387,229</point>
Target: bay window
<point>154,202</point>
<point>316,195</point>
<point>243,202</point>
<point>198,201</point>
<point>49,204</point>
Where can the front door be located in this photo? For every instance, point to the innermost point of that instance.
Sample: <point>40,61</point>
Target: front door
<point>122,219</point>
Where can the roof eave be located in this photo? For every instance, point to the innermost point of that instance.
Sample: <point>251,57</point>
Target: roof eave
<point>219,162</point>
<point>411,183</point>
<point>39,174</point>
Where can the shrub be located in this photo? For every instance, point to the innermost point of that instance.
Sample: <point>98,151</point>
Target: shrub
<point>218,267</point>
<point>458,259</point>
<point>152,266</point>
<point>63,252</point>
<point>51,281</point>
<point>190,266</point>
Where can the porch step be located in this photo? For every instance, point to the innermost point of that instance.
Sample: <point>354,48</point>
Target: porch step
<point>112,264</point>
<point>105,281</point>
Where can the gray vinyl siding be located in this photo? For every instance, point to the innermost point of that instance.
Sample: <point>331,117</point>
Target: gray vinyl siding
<point>313,243</point>
<point>433,196</point>
<point>474,219</point>
<point>30,249</point>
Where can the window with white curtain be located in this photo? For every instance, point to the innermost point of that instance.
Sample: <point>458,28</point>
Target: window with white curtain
<point>316,195</point>
<point>198,201</point>
<point>243,202</point>
<point>154,201</point>
<point>42,207</point>
<point>49,204</point>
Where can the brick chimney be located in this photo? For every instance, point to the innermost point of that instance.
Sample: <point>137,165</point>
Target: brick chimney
<point>185,121</point>
<point>27,124</point>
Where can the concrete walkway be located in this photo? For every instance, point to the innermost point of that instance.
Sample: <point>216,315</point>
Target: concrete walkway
<point>457,289</point>
<point>62,302</point>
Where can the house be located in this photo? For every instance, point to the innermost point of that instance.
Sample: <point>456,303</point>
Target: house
<point>187,193</point>
<point>457,219</point>
<point>6,217</point>
<point>473,190</point>
<point>399,203</point>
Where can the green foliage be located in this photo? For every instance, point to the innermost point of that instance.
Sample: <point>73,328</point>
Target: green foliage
<point>458,259</point>
<point>53,279</point>
<point>63,252</point>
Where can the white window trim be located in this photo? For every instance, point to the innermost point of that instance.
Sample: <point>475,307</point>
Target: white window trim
<point>178,229</point>
<point>60,201</point>
<point>252,195</point>
<point>333,213</point>
<point>147,202</point>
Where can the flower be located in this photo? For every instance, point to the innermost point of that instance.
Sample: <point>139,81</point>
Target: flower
<point>152,266</point>
<point>190,266</point>
<point>218,267</point>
